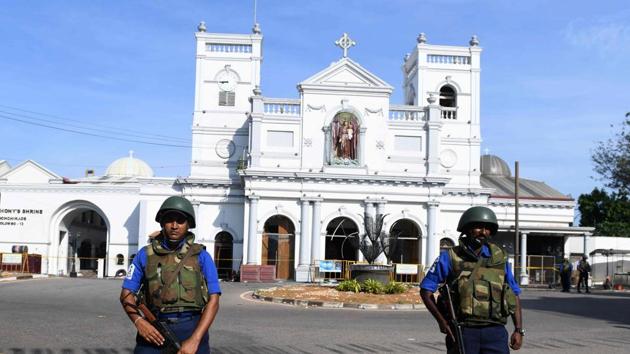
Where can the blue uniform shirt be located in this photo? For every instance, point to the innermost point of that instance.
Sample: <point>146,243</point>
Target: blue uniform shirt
<point>561,267</point>
<point>135,275</point>
<point>441,268</point>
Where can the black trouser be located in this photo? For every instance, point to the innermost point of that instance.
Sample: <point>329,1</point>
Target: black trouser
<point>583,280</point>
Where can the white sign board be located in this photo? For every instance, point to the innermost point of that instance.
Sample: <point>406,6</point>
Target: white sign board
<point>329,266</point>
<point>406,269</point>
<point>11,258</point>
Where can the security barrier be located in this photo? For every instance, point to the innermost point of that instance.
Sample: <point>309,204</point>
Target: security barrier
<point>339,270</point>
<point>227,268</point>
<point>20,263</point>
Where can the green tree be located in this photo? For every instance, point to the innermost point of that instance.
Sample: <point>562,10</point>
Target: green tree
<point>612,159</point>
<point>608,213</point>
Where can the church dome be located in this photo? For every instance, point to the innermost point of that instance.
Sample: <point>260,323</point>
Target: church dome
<point>129,167</point>
<point>492,165</point>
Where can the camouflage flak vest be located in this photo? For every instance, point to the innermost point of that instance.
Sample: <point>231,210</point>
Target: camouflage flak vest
<point>481,295</point>
<point>188,291</point>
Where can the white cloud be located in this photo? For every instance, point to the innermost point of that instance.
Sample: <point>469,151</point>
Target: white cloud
<point>607,37</point>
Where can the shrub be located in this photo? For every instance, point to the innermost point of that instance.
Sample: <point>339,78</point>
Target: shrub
<point>372,286</point>
<point>395,288</point>
<point>349,285</point>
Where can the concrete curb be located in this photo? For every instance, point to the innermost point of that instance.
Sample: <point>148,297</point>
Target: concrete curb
<point>24,277</point>
<point>338,305</point>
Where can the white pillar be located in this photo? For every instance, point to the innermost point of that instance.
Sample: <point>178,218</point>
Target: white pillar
<point>434,128</point>
<point>524,276</point>
<point>255,149</point>
<point>327,144</point>
<point>422,244</point>
<point>587,238</point>
<point>252,239</point>
<point>433,244</point>
<point>100,268</point>
<point>369,207</point>
<point>380,207</point>
<point>316,231</point>
<point>144,222</point>
<point>361,146</point>
<point>305,239</point>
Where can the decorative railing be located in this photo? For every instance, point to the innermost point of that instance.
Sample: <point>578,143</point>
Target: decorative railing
<point>449,112</point>
<point>406,113</point>
<point>448,59</point>
<point>282,107</point>
<point>229,48</point>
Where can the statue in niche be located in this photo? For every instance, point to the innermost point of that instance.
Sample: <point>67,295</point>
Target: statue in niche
<point>344,140</point>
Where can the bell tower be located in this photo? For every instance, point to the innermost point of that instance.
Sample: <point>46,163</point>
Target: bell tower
<point>448,78</point>
<point>227,72</point>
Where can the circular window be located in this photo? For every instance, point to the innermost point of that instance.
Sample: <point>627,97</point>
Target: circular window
<point>225,148</point>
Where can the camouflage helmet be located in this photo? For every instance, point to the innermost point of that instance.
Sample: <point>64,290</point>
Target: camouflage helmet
<point>180,204</point>
<point>478,214</point>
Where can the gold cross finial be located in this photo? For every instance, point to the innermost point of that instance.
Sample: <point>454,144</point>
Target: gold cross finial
<point>344,43</point>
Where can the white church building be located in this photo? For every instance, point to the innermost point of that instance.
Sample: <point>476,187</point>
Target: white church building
<point>283,181</point>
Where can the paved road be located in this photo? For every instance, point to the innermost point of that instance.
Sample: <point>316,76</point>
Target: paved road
<point>62,315</point>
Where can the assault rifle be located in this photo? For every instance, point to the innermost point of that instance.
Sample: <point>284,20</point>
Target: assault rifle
<point>171,342</point>
<point>445,305</point>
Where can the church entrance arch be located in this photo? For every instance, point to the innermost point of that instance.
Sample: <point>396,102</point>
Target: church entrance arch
<point>223,254</point>
<point>278,246</point>
<point>341,237</point>
<point>82,240</point>
<point>408,241</point>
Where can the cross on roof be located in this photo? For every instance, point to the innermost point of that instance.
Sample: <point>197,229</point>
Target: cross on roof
<point>344,43</point>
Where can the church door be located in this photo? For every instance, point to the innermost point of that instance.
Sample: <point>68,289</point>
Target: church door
<point>278,246</point>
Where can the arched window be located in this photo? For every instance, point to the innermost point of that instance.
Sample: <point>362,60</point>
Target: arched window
<point>448,102</point>
<point>448,97</point>
<point>341,239</point>
<point>407,235</point>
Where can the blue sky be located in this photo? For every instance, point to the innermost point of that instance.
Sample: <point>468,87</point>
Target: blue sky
<point>555,75</point>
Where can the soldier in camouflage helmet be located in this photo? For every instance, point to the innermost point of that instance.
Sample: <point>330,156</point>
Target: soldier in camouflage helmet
<point>178,280</point>
<point>483,289</point>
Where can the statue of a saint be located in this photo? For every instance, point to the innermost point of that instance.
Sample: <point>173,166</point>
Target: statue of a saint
<point>344,138</point>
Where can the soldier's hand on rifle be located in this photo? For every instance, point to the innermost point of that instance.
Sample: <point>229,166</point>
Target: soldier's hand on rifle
<point>516,340</point>
<point>148,332</point>
<point>446,329</point>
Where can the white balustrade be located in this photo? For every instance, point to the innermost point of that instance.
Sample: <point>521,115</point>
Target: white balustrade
<point>449,112</point>
<point>448,59</point>
<point>229,48</point>
<point>282,107</point>
<point>409,113</point>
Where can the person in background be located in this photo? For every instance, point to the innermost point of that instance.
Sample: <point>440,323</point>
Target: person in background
<point>583,268</point>
<point>565,269</point>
